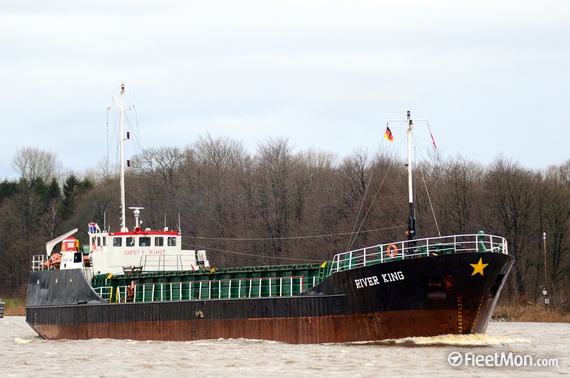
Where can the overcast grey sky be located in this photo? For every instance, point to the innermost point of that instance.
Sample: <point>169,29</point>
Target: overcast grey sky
<point>492,77</point>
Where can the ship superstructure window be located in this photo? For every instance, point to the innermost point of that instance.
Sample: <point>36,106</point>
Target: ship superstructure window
<point>172,241</point>
<point>144,241</point>
<point>130,241</point>
<point>158,241</point>
<point>117,242</point>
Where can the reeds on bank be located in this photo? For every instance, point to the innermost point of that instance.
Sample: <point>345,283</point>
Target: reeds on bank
<point>531,313</point>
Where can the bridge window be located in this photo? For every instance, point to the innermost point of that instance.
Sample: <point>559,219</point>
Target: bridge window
<point>171,241</point>
<point>130,241</point>
<point>144,241</point>
<point>117,242</point>
<point>158,241</point>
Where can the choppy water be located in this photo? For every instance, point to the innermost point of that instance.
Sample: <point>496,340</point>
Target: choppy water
<point>24,354</point>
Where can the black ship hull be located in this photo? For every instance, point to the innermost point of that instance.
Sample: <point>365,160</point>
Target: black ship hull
<point>425,296</point>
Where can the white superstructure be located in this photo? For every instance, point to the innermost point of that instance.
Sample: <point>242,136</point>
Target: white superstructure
<point>142,250</point>
<point>124,251</point>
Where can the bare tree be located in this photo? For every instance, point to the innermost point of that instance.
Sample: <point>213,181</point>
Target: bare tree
<point>556,213</point>
<point>274,170</point>
<point>457,195</point>
<point>32,163</point>
<point>163,161</point>
<point>511,209</point>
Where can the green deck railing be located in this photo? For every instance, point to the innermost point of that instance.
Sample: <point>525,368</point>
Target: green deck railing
<point>208,289</point>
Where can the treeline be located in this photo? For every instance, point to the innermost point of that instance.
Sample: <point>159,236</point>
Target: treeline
<point>278,206</point>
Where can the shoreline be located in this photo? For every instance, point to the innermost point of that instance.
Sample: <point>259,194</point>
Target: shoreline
<point>531,313</point>
<point>14,307</point>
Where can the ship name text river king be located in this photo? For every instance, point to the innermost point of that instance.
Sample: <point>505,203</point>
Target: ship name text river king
<point>374,280</point>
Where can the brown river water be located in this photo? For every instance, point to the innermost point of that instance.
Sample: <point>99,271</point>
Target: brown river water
<point>507,350</point>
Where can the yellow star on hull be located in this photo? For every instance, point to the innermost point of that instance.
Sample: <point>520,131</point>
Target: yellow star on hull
<point>478,268</point>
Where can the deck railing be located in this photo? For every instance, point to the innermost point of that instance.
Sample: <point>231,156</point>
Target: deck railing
<point>409,249</point>
<point>38,262</point>
<point>209,289</point>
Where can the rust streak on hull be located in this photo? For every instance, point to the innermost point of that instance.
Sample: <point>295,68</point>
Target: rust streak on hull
<point>307,330</point>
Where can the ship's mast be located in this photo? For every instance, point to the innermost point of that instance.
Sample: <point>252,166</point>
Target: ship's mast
<point>411,232</point>
<point>122,139</point>
<point>122,164</point>
<point>412,218</point>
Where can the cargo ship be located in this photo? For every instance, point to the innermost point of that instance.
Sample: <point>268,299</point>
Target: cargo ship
<point>140,284</point>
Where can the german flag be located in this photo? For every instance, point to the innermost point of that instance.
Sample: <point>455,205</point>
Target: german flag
<point>388,134</point>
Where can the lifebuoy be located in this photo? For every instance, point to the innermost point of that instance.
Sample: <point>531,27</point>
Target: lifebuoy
<point>54,261</point>
<point>392,250</point>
